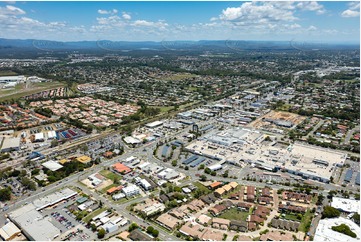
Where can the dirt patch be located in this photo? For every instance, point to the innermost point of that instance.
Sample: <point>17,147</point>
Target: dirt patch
<point>265,121</point>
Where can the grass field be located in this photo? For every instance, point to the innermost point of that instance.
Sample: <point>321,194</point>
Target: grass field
<point>292,217</point>
<point>20,90</point>
<point>306,219</point>
<point>163,109</point>
<point>178,77</point>
<point>8,73</point>
<point>234,214</point>
<point>110,175</point>
<point>93,214</point>
<point>201,187</point>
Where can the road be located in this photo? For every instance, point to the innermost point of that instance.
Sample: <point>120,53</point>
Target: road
<point>349,134</point>
<point>315,128</point>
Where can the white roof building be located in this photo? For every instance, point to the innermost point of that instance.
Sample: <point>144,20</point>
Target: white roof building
<point>104,220</point>
<point>53,198</point>
<point>118,196</point>
<point>100,216</point>
<point>33,224</point>
<point>215,167</point>
<point>346,205</point>
<point>145,184</point>
<point>324,230</point>
<point>10,144</point>
<point>9,231</point>
<point>157,207</point>
<point>39,136</point>
<point>5,79</point>
<point>168,174</point>
<point>131,190</point>
<point>52,165</point>
<point>131,140</point>
<point>110,227</point>
<point>51,134</point>
<point>154,124</point>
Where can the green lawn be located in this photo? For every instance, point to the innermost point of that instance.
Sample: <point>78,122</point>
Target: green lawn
<point>126,200</point>
<point>234,214</point>
<point>314,199</point>
<point>291,217</point>
<point>201,187</point>
<point>8,73</point>
<point>93,214</point>
<point>110,175</point>
<point>306,219</point>
<point>163,109</point>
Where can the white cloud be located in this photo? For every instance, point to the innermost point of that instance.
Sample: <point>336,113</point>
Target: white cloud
<point>312,28</point>
<point>100,11</point>
<point>113,11</point>
<point>113,20</point>
<point>256,13</point>
<point>126,16</point>
<point>11,10</point>
<point>331,31</point>
<point>144,23</point>
<point>295,26</point>
<point>251,12</point>
<point>350,13</point>
<point>311,6</point>
<point>354,5</point>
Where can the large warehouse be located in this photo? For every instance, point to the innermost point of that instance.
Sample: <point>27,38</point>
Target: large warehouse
<point>10,144</point>
<point>33,224</point>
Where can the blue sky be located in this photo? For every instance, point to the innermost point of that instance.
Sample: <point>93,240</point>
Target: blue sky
<point>157,21</point>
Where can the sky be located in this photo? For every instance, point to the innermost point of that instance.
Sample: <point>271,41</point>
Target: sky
<point>332,21</point>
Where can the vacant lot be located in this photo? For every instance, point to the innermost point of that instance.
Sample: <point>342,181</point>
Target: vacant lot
<point>234,214</point>
<point>110,175</point>
<point>277,115</point>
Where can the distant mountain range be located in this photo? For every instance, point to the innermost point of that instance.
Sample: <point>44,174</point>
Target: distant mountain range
<point>106,45</point>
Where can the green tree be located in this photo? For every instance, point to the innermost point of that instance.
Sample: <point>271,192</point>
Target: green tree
<point>101,233</point>
<point>132,227</point>
<point>344,229</point>
<point>320,199</point>
<point>54,143</point>
<point>35,172</point>
<point>174,163</point>
<point>203,177</point>
<point>155,233</point>
<point>5,194</point>
<point>330,212</point>
<point>150,230</point>
<point>356,218</point>
<point>93,227</point>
